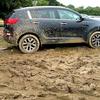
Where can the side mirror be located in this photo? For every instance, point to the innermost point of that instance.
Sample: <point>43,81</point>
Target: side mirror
<point>80,19</point>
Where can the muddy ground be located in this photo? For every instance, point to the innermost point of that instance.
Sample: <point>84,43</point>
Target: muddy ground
<point>56,72</point>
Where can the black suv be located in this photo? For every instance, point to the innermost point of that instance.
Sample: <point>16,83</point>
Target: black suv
<point>31,27</point>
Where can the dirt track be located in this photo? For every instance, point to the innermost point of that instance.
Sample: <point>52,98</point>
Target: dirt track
<point>53,73</point>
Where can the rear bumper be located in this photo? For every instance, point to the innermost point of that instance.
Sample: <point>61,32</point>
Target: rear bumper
<point>9,37</point>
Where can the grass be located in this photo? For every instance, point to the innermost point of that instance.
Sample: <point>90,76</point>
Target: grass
<point>1,23</point>
<point>3,43</point>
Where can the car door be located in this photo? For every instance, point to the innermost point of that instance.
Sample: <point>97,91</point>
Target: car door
<point>71,26</point>
<point>48,25</point>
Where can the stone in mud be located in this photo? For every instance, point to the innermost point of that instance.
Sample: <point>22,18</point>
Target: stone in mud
<point>65,97</point>
<point>97,94</point>
<point>92,86</point>
<point>82,98</point>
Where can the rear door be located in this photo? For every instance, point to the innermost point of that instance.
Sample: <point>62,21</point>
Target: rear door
<point>49,26</point>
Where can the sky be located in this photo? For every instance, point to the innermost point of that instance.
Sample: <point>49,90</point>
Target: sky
<point>78,3</point>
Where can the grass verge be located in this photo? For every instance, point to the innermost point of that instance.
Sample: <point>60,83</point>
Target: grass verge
<point>1,23</point>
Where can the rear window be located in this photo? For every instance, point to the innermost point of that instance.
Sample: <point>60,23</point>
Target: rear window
<point>19,14</point>
<point>43,13</point>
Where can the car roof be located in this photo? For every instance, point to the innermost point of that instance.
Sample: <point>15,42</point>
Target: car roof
<point>39,7</point>
<point>43,7</point>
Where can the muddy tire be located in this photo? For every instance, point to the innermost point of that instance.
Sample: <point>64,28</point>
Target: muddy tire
<point>94,40</point>
<point>29,44</point>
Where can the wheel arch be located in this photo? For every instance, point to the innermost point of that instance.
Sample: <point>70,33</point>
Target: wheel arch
<point>90,40</point>
<point>27,33</point>
<point>92,31</point>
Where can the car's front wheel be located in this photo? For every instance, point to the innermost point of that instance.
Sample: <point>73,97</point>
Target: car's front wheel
<point>29,43</point>
<point>94,39</point>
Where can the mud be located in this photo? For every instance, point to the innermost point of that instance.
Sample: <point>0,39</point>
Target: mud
<point>56,72</point>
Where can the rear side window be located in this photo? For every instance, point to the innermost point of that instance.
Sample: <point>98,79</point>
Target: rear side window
<point>21,14</point>
<point>10,15</point>
<point>43,13</point>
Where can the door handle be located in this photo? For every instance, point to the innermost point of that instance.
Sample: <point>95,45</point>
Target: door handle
<point>64,23</point>
<point>85,25</point>
<point>36,22</point>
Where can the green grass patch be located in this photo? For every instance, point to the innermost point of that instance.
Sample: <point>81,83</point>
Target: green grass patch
<point>1,23</point>
<point>3,43</point>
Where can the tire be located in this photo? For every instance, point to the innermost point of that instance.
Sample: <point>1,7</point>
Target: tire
<point>94,40</point>
<point>29,44</point>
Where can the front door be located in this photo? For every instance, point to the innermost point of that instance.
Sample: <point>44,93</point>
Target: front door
<point>71,26</point>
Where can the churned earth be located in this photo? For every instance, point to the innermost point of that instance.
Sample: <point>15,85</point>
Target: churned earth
<point>56,72</point>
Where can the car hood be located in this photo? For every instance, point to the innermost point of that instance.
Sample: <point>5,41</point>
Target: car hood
<point>93,21</point>
<point>95,18</point>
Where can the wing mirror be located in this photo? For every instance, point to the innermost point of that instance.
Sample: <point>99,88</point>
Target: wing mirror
<point>80,19</point>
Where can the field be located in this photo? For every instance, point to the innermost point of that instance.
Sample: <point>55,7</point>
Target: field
<point>55,72</point>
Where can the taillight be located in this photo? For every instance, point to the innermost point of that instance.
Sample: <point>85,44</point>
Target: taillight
<point>11,21</point>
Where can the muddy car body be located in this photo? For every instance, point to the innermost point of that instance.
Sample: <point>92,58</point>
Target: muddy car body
<point>31,27</point>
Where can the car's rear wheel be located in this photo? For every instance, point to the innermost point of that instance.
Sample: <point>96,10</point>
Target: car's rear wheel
<point>94,39</point>
<point>29,43</point>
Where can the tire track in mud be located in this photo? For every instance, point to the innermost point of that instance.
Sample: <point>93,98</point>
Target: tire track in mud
<point>66,73</point>
<point>42,76</point>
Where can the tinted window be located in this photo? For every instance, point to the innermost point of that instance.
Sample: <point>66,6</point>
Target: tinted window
<point>19,14</point>
<point>65,14</point>
<point>42,13</point>
<point>10,15</point>
<point>22,14</point>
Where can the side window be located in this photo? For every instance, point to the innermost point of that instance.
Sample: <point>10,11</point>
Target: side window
<point>10,15</point>
<point>42,13</point>
<point>22,14</point>
<point>64,14</point>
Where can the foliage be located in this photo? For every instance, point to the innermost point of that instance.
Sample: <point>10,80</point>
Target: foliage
<point>89,10</point>
<point>71,6</point>
<point>53,3</point>
<point>40,2</point>
<point>7,6</point>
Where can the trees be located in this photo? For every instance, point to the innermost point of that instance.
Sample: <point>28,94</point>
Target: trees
<point>71,6</point>
<point>46,3</point>
<point>89,10</point>
<point>53,3</point>
<point>7,6</point>
<point>40,2</point>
